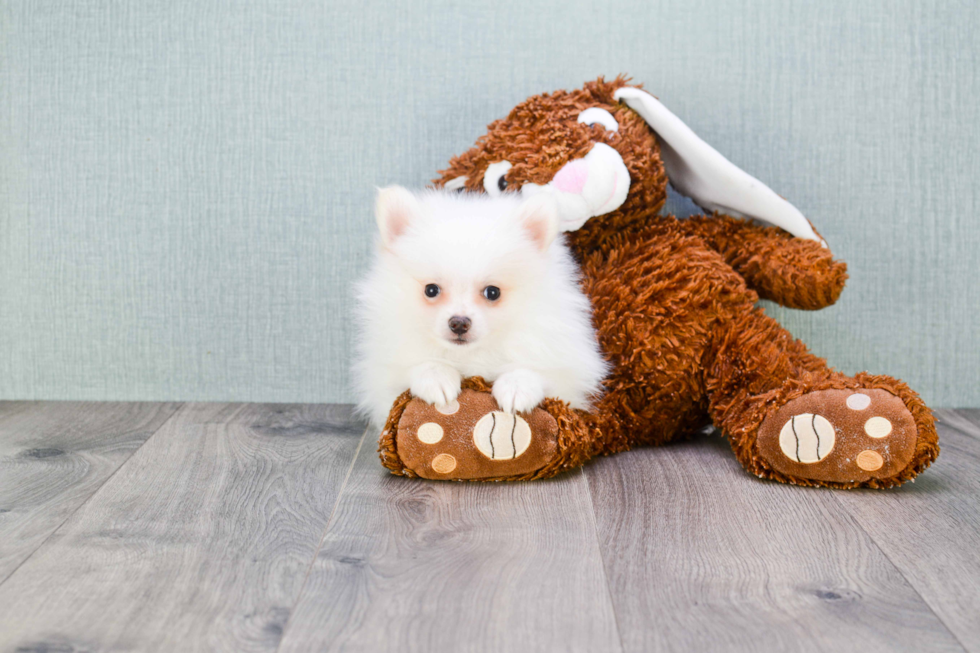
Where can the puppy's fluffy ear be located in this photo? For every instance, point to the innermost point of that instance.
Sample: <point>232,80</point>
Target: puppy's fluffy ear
<point>395,209</point>
<point>539,217</point>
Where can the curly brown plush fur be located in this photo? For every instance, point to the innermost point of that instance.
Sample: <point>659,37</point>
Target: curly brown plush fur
<point>675,304</point>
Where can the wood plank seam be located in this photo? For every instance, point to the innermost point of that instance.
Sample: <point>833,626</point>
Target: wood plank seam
<point>179,406</point>
<point>787,601</point>
<point>199,543</point>
<point>323,538</point>
<point>908,580</point>
<point>602,557</point>
<point>958,428</point>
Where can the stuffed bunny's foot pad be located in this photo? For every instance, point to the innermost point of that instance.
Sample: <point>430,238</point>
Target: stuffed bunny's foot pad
<point>472,439</point>
<point>840,436</point>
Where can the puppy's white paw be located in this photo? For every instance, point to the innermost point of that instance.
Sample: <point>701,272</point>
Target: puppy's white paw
<point>518,391</point>
<point>435,383</point>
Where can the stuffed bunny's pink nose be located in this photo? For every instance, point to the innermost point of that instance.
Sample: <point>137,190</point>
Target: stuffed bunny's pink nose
<point>572,177</point>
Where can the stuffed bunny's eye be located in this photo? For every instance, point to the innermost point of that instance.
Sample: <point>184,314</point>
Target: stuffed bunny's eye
<point>595,115</point>
<point>457,184</point>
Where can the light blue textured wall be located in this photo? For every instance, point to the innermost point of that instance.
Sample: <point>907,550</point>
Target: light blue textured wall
<point>186,185</point>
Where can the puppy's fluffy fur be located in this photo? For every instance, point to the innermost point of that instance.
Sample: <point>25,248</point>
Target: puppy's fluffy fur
<point>534,340</point>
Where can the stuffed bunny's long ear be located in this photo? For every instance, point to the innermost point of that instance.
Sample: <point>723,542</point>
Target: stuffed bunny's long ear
<point>699,171</point>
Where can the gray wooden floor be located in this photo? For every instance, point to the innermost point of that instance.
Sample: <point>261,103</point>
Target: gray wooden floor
<point>242,527</point>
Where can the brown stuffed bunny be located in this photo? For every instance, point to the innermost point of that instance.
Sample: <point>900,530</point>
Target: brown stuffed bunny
<point>674,305</point>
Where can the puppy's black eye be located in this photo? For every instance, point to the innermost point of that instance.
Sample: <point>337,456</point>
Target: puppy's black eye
<point>431,290</point>
<point>492,293</point>
<point>502,184</point>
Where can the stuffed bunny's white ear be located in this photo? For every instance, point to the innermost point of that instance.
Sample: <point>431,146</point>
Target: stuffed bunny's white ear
<point>395,209</point>
<point>699,171</point>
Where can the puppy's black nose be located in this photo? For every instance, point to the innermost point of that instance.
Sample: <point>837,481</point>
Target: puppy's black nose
<point>459,324</point>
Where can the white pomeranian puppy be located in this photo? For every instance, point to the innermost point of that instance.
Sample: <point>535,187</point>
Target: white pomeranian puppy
<point>469,285</point>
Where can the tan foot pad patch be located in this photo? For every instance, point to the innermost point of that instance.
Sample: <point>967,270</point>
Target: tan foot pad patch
<point>839,435</point>
<point>473,439</point>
